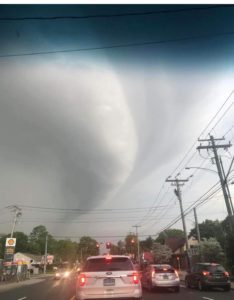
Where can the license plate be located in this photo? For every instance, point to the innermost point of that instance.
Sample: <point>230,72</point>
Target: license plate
<point>108,281</point>
<point>165,277</point>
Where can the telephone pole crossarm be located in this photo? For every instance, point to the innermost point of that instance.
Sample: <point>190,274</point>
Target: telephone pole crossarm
<point>176,180</point>
<point>211,146</point>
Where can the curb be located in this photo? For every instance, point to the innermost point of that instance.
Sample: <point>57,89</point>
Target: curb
<point>31,280</point>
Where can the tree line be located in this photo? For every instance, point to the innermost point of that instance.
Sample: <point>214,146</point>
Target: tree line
<point>217,244</point>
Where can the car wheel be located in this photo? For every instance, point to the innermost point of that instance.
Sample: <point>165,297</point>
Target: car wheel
<point>187,284</point>
<point>177,289</point>
<point>200,286</point>
<point>227,288</point>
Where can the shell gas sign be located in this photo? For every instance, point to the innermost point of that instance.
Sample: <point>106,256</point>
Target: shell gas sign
<point>10,242</point>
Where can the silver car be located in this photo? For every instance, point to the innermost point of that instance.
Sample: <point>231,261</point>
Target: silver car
<point>161,276</point>
<point>108,276</point>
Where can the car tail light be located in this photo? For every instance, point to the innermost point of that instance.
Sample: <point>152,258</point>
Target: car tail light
<point>153,273</point>
<point>135,278</point>
<point>205,273</point>
<point>108,257</point>
<point>82,279</point>
<point>226,274</point>
<point>176,273</point>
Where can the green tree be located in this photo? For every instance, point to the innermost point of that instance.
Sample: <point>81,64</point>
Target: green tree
<point>87,246</point>
<point>66,250</point>
<point>2,245</point>
<point>169,233</point>
<point>21,242</point>
<point>121,247</point>
<point>229,245</point>
<point>131,244</point>
<point>114,249</point>
<point>210,229</point>
<point>147,244</point>
<point>162,253</point>
<point>211,251</point>
<point>37,240</point>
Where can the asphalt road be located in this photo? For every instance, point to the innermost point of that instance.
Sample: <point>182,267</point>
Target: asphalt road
<point>49,289</point>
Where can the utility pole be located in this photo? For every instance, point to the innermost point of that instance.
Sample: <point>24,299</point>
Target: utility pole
<point>197,226</point>
<point>226,183</point>
<point>18,213</point>
<point>45,261</point>
<point>212,145</point>
<point>138,244</point>
<point>178,182</point>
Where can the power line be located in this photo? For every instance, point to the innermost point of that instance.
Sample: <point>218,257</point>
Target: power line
<point>212,119</point>
<point>75,210</point>
<point>228,108</point>
<point>190,208</point>
<point>130,14</point>
<point>127,45</point>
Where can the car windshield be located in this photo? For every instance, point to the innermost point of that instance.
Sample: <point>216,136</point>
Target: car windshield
<point>103,264</point>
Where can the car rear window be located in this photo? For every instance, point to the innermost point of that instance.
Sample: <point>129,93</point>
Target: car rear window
<point>215,268</point>
<point>164,269</point>
<point>113,264</point>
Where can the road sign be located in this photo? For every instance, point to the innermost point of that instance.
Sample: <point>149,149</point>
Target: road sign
<point>10,242</point>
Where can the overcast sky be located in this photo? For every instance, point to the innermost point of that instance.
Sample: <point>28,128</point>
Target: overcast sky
<point>88,138</point>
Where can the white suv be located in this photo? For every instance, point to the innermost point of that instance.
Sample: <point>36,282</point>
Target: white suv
<point>110,276</point>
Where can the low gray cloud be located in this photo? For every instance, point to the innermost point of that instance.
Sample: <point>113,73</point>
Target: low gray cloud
<point>81,136</point>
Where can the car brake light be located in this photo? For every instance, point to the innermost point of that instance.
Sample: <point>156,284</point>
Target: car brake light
<point>205,273</point>
<point>135,278</point>
<point>82,279</point>
<point>226,273</point>
<point>152,273</point>
<point>108,257</point>
<point>177,275</point>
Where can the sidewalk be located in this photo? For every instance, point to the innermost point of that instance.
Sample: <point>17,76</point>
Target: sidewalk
<point>4,285</point>
<point>182,275</point>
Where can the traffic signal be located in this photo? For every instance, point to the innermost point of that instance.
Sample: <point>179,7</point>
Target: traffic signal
<point>108,245</point>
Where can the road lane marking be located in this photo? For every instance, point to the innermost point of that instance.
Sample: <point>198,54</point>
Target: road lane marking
<point>206,298</point>
<point>22,298</point>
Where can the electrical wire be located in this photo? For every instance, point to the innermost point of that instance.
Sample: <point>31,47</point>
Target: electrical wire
<point>130,14</point>
<point>117,46</point>
<point>212,119</point>
<point>188,210</point>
